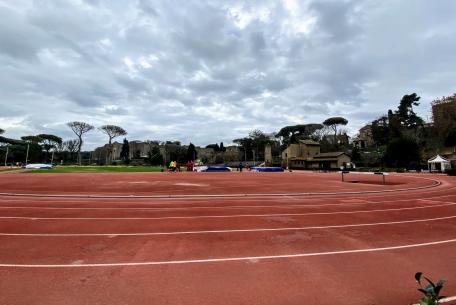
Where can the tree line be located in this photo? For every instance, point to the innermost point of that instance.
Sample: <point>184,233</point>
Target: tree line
<point>43,147</point>
<point>400,138</point>
<point>328,134</point>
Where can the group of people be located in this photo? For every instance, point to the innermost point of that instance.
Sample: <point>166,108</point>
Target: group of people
<point>174,166</point>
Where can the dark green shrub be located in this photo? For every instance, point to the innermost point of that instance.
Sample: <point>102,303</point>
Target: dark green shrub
<point>401,152</point>
<point>431,292</point>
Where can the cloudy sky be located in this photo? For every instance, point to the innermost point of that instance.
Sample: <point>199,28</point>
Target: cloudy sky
<point>209,71</point>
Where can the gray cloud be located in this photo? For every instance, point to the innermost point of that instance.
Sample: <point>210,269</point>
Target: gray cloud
<point>210,71</point>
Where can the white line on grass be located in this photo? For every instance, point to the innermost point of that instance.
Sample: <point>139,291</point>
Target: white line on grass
<point>229,259</point>
<point>227,216</point>
<point>227,231</point>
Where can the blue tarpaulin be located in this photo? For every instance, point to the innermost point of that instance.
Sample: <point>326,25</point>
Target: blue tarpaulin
<point>267,169</point>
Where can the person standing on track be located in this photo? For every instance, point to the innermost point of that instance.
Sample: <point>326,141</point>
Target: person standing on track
<point>172,166</point>
<point>241,166</point>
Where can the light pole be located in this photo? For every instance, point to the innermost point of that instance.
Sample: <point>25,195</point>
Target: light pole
<point>26,156</point>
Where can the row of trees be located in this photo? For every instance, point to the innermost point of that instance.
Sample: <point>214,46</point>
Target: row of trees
<point>81,128</point>
<point>399,137</point>
<point>36,148</point>
<point>314,131</point>
<point>253,146</point>
<point>42,147</point>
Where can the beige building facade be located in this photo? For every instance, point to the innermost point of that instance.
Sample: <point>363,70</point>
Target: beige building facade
<point>306,155</point>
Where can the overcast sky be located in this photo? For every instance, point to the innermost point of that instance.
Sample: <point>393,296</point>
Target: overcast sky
<point>210,71</point>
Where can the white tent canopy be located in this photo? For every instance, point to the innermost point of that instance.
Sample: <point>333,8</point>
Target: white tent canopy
<point>438,163</point>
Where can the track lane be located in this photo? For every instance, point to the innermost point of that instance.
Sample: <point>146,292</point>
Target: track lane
<point>207,246</point>
<point>227,222</point>
<point>210,212</point>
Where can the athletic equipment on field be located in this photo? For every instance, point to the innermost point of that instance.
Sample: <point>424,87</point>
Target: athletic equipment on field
<point>39,166</point>
<point>267,169</point>
<point>213,169</point>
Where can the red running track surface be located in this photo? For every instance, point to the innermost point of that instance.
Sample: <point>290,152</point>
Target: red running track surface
<point>360,247</point>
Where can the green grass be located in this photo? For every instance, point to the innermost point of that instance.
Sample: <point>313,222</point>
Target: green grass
<point>99,169</point>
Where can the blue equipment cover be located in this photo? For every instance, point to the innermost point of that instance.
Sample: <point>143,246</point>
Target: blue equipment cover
<point>217,169</point>
<point>267,169</point>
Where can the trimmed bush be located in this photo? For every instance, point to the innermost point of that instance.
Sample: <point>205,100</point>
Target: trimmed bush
<point>451,172</point>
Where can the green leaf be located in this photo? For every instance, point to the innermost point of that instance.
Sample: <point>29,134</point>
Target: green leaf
<point>418,276</point>
<point>441,282</point>
<point>423,291</point>
<point>429,288</point>
<point>430,282</point>
<point>441,297</point>
<point>438,288</point>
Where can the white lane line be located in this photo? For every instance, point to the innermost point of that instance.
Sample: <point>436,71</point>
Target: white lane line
<point>362,201</point>
<point>227,216</point>
<point>230,259</point>
<point>227,231</point>
<point>435,201</point>
<point>278,205</point>
<point>190,207</point>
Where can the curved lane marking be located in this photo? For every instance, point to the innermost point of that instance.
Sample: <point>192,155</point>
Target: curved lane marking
<point>229,259</point>
<point>435,183</point>
<point>227,231</point>
<point>278,205</point>
<point>191,207</point>
<point>227,216</point>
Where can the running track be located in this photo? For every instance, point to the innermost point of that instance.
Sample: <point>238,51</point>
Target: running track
<point>278,238</point>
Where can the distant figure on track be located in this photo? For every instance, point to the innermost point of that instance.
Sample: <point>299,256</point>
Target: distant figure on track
<point>241,166</point>
<point>172,166</point>
<point>189,166</point>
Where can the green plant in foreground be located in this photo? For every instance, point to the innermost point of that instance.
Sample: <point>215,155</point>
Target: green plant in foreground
<point>431,292</point>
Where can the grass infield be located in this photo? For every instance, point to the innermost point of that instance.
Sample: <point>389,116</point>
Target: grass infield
<point>98,169</point>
